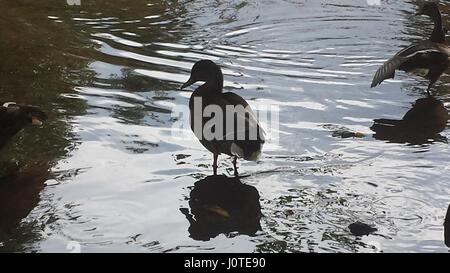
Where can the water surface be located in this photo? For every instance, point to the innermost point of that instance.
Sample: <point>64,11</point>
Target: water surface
<point>108,74</point>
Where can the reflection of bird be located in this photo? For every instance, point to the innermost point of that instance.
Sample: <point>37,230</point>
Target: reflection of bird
<point>14,117</point>
<point>238,135</point>
<point>429,58</point>
<point>221,204</point>
<point>425,120</point>
<point>431,9</point>
<point>19,194</point>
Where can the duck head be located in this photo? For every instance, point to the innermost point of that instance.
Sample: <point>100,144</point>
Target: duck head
<point>28,113</point>
<point>205,71</point>
<point>35,115</point>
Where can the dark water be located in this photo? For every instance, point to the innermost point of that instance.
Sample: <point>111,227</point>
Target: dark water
<point>108,74</point>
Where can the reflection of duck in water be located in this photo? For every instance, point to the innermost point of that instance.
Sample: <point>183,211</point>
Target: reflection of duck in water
<point>424,121</point>
<point>14,117</point>
<point>220,204</point>
<point>19,194</point>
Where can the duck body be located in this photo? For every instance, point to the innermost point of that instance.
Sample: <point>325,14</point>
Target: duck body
<point>429,58</point>
<point>238,141</point>
<point>246,149</point>
<point>14,117</point>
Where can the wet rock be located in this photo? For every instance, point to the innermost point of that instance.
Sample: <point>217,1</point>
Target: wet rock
<point>361,229</point>
<point>342,132</point>
<point>346,134</point>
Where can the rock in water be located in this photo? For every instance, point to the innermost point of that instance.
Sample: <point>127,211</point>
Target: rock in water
<point>360,229</point>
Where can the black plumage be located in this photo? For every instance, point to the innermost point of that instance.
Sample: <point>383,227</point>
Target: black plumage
<point>239,141</point>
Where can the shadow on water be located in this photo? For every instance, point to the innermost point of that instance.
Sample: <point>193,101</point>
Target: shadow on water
<point>220,204</point>
<point>19,194</point>
<point>421,124</point>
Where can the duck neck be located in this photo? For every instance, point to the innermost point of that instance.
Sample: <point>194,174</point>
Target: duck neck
<point>438,34</point>
<point>214,85</point>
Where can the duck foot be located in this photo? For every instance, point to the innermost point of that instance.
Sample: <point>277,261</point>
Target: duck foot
<point>236,174</point>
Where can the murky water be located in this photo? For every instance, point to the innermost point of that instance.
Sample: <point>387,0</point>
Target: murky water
<point>108,74</point>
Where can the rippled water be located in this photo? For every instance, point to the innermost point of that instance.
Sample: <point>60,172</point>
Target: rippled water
<point>108,74</point>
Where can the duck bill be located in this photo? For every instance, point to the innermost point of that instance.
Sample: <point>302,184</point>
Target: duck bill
<point>36,121</point>
<point>188,83</point>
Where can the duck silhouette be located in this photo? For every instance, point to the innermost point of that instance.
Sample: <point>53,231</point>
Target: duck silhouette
<point>221,204</point>
<point>15,117</point>
<point>244,138</point>
<point>422,123</point>
<point>429,58</point>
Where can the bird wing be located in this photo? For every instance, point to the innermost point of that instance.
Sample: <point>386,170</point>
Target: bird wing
<point>248,116</point>
<point>387,70</point>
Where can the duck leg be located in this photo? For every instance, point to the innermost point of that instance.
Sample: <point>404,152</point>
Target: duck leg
<point>215,164</point>
<point>235,167</point>
<point>435,74</point>
<point>430,85</point>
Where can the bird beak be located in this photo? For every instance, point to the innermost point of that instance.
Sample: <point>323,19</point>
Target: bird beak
<point>190,82</point>
<point>36,121</point>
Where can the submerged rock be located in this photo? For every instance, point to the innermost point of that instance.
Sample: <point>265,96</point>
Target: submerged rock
<point>342,133</point>
<point>361,229</point>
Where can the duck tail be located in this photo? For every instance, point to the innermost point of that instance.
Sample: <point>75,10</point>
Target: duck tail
<point>253,152</point>
<point>248,150</point>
